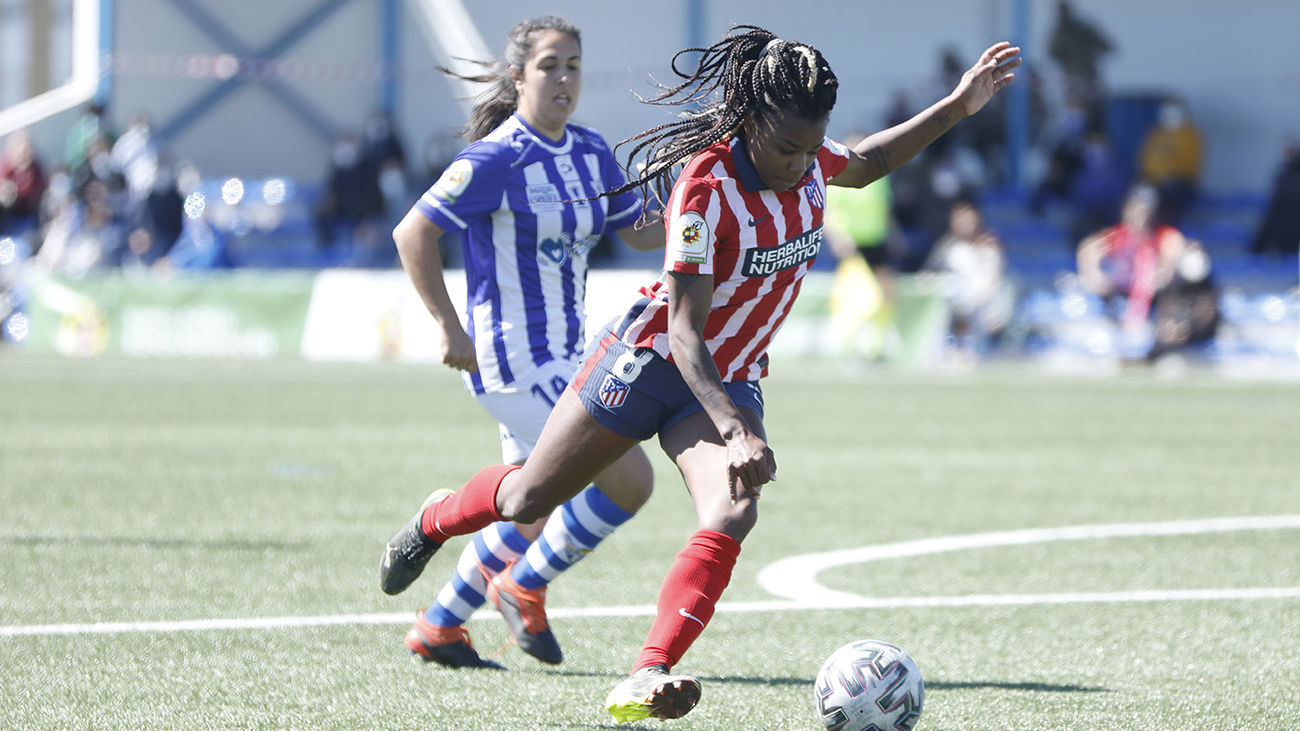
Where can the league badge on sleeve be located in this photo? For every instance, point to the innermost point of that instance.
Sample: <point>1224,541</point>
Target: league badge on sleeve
<point>455,179</point>
<point>689,238</point>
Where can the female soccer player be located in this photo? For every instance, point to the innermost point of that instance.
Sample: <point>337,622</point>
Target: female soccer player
<point>744,224</point>
<point>525,195</point>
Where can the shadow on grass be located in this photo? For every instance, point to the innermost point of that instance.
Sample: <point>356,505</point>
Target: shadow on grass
<point>788,681</point>
<point>655,725</point>
<point>1036,687</point>
<point>194,544</point>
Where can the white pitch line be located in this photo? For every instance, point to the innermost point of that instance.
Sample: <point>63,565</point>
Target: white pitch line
<point>772,605</point>
<point>795,578</point>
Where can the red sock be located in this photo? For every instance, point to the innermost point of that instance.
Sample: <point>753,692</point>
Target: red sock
<point>688,596</point>
<point>473,506</point>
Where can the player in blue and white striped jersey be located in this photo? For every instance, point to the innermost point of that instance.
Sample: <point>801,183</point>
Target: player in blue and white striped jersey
<point>526,247</point>
<point>525,195</point>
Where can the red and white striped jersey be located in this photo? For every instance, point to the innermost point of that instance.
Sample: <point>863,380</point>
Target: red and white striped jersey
<point>756,242</point>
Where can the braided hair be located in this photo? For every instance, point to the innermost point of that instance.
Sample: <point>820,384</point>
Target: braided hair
<point>501,100</point>
<point>758,74</point>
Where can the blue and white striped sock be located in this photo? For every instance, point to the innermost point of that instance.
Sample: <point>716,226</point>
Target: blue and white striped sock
<point>492,546</point>
<point>572,532</point>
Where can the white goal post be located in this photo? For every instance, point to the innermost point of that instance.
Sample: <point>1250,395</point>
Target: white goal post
<point>80,87</point>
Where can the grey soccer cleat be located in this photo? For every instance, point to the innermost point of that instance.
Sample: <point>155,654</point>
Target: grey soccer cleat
<point>409,550</point>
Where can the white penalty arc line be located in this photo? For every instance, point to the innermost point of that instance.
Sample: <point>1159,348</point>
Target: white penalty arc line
<point>795,579</point>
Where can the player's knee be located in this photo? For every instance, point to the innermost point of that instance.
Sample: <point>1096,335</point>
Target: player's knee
<point>629,483</point>
<point>524,503</point>
<point>736,521</point>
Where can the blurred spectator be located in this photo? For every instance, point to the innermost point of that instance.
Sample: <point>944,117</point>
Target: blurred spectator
<point>352,204</point>
<point>1097,190</point>
<point>383,146</point>
<point>1279,230</point>
<point>1077,47</point>
<point>97,167</point>
<point>1170,160</point>
<point>134,157</point>
<point>1131,263</point>
<point>159,221</point>
<point>83,235</point>
<point>91,125</point>
<point>970,266</point>
<point>1187,311</point>
<point>1064,160</point>
<point>22,183</point>
<point>200,244</point>
<point>385,155</point>
<point>945,179</point>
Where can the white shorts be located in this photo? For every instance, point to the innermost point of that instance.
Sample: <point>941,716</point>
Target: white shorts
<point>522,407</point>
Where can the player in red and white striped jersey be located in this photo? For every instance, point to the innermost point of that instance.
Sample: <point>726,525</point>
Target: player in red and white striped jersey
<point>757,243</point>
<point>743,225</point>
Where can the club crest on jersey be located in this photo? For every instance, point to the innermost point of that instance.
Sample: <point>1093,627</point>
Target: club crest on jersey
<point>454,180</point>
<point>613,392</point>
<point>551,249</point>
<point>563,246</point>
<point>815,193</point>
<point>764,261</point>
<point>689,241</point>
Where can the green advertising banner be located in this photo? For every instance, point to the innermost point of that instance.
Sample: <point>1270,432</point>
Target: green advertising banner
<point>250,314</point>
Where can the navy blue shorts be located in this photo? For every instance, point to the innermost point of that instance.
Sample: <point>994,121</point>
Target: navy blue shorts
<point>636,393</point>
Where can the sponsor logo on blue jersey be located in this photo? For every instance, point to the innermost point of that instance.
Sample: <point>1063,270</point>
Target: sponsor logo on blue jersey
<point>770,260</point>
<point>544,197</point>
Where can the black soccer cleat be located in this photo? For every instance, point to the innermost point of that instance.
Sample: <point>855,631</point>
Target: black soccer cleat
<point>409,550</point>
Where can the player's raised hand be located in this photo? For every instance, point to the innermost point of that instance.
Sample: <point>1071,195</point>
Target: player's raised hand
<point>990,73</point>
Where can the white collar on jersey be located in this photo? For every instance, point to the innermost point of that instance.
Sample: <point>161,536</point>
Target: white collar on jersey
<point>555,148</point>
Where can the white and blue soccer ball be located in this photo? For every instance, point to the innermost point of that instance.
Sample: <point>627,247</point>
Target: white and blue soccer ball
<point>869,685</point>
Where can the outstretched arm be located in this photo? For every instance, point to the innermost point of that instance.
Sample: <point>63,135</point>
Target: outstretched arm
<point>887,150</point>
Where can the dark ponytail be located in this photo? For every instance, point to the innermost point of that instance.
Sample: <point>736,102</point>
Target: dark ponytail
<point>500,100</point>
<point>758,74</point>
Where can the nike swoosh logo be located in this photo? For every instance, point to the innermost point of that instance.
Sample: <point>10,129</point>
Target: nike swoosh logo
<point>688,615</point>
<point>753,223</point>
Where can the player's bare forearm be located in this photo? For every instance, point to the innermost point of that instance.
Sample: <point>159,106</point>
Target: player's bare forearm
<point>889,149</point>
<point>688,310</point>
<point>701,375</point>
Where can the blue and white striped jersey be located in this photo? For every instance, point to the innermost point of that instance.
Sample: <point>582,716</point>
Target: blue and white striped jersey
<point>516,195</point>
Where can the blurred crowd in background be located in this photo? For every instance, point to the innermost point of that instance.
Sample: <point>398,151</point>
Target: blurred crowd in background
<point>113,199</point>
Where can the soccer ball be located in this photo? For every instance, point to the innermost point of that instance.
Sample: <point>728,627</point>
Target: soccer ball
<point>869,685</point>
